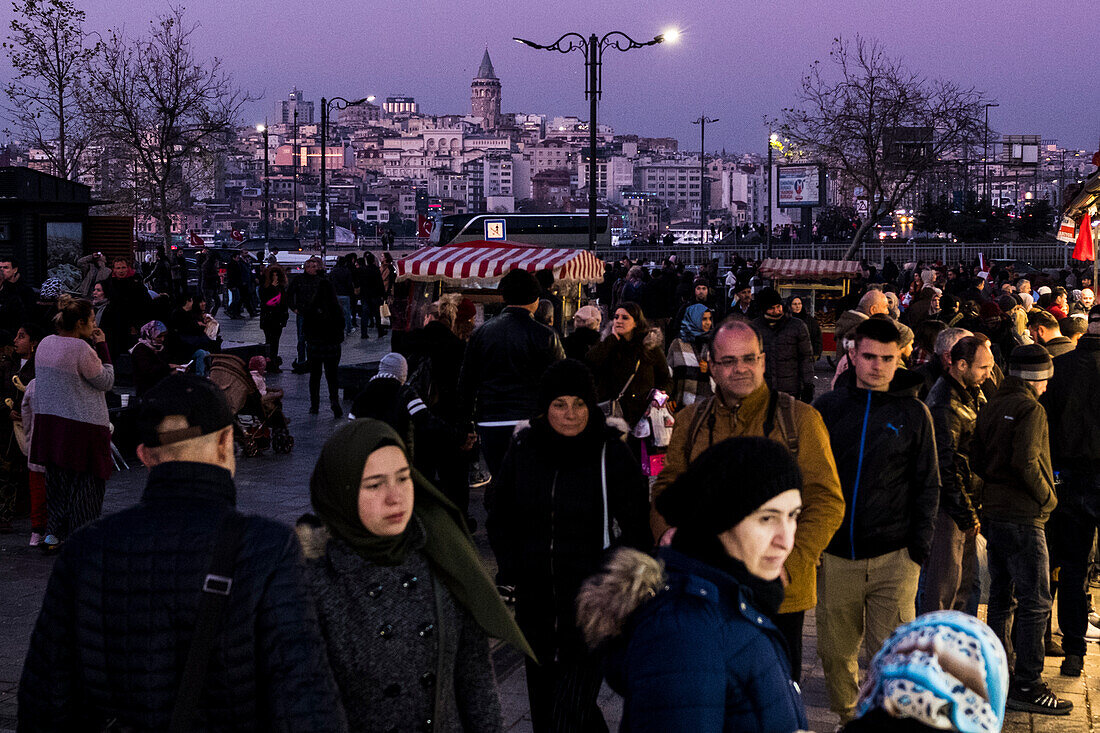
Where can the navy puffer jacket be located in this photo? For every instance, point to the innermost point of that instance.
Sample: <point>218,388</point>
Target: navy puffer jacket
<point>112,638</point>
<point>698,657</point>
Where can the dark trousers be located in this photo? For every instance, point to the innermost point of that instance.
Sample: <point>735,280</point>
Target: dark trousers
<point>326,358</point>
<point>1072,528</point>
<point>790,626</point>
<point>371,316</point>
<point>272,334</point>
<point>213,301</point>
<point>73,498</point>
<point>494,444</point>
<point>1019,583</point>
<point>947,578</point>
<point>298,321</point>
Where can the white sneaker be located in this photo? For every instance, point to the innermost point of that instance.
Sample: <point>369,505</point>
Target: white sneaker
<point>1092,633</point>
<point>36,539</point>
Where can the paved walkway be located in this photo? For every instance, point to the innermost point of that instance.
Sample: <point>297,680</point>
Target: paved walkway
<point>278,486</point>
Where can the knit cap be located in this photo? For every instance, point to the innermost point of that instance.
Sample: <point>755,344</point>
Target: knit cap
<point>728,482</point>
<point>767,298</point>
<point>1006,302</point>
<point>1031,362</point>
<point>567,377</point>
<point>52,288</point>
<point>393,366</point>
<point>587,316</point>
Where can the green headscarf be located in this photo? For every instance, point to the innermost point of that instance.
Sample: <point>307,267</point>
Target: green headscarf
<point>449,548</point>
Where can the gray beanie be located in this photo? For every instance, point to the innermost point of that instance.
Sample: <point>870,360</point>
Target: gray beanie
<point>1030,362</point>
<point>394,366</point>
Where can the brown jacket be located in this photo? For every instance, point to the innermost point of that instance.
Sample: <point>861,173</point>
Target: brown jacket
<point>822,500</point>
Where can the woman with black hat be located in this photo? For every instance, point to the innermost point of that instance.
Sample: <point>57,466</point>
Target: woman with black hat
<point>404,603</point>
<point>689,635</point>
<point>568,489</point>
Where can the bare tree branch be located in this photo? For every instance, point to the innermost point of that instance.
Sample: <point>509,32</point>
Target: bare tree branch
<point>880,125</point>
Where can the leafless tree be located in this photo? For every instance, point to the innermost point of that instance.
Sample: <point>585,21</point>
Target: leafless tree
<point>880,125</point>
<point>50,52</point>
<point>170,113</point>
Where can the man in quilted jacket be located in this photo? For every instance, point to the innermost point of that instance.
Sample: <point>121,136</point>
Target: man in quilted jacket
<point>119,616</point>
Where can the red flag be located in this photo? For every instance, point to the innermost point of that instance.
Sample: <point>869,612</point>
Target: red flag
<point>424,226</point>
<point>1084,249</point>
<point>196,240</point>
<point>238,235</point>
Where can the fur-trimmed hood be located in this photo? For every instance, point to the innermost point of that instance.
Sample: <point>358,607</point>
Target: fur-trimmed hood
<point>612,422</point>
<point>628,580</point>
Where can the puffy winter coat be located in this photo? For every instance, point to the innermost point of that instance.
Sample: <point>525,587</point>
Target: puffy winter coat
<point>694,654</point>
<point>954,415</point>
<point>120,610</point>
<point>789,362</point>
<point>504,361</point>
<point>1012,455</point>
<point>885,453</point>
<point>1070,400</point>
<point>546,518</point>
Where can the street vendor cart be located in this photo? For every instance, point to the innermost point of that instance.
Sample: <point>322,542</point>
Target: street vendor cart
<point>821,284</point>
<point>475,268</point>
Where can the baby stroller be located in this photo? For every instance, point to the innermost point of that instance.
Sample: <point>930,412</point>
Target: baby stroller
<point>259,425</point>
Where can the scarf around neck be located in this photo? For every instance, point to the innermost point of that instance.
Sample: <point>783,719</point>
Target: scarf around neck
<point>447,544</point>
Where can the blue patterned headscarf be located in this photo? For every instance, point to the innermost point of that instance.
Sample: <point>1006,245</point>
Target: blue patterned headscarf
<point>945,669</point>
<point>692,326</point>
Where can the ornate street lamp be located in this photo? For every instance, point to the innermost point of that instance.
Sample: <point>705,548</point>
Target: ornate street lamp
<point>593,48</point>
<point>338,103</point>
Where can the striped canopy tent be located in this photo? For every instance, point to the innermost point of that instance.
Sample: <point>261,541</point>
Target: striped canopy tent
<point>776,269</point>
<point>482,264</point>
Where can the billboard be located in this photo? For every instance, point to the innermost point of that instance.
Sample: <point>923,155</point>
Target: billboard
<point>800,186</point>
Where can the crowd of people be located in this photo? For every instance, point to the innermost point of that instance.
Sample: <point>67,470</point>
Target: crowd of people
<point>674,485</point>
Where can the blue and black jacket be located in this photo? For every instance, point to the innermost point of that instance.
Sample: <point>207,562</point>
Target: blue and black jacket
<point>885,451</point>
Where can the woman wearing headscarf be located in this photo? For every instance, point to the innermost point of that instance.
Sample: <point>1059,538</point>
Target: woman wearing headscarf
<point>797,308</point>
<point>946,670</point>
<point>405,606</point>
<point>689,637</point>
<point>150,361</point>
<point>569,488</point>
<point>689,356</point>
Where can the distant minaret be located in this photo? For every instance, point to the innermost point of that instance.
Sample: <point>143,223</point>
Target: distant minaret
<point>485,94</point>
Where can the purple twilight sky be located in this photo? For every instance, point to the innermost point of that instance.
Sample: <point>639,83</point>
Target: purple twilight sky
<point>737,61</point>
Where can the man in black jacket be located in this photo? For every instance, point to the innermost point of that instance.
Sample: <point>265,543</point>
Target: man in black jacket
<point>119,617</point>
<point>883,442</point>
<point>955,402</point>
<point>790,357</point>
<point>1071,399</point>
<point>1012,455</point>
<point>300,294</point>
<point>503,364</point>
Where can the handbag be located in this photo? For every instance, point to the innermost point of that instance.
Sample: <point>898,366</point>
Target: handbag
<point>384,313</point>
<point>613,408</point>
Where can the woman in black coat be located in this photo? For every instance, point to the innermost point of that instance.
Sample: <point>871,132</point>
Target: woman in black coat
<point>569,488</point>
<point>323,328</point>
<point>624,364</point>
<point>274,311</point>
<point>797,308</point>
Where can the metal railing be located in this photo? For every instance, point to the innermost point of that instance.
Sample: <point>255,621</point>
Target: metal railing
<point>1039,254</point>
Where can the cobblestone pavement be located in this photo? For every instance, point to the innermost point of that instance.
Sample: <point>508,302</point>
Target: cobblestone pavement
<point>278,486</point>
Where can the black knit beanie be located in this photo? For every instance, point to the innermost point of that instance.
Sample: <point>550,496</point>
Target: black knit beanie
<point>728,482</point>
<point>767,298</point>
<point>567,377</point>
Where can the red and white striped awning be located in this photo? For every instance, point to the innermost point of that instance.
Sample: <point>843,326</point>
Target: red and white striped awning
<point>776,269</point>
<point>481,264</point>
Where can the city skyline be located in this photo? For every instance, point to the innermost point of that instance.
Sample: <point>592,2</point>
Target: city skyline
<point>738,64</point>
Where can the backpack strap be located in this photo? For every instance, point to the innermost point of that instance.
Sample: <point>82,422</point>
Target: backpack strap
<point>216,588</point>
<point>703,408</point>
<point>781,406</point>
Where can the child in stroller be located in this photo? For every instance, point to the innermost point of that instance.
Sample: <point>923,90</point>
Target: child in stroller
<point>260,420</point>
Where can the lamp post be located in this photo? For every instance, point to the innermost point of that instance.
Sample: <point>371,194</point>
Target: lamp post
<point>267,189</point>
<point>702,122</point>
<point>338,103</point>
<point>772,140</point>
<point>985,153</point>
<point>294,160</point>
<point>593,48</point>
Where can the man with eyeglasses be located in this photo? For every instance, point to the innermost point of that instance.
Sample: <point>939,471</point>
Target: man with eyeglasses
<point>884,445</point>
<point>744,405</point>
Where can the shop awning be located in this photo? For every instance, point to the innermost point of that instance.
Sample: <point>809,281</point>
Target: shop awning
<point>776,269</point>
<point>1086,197</point>
<point>481,264</point>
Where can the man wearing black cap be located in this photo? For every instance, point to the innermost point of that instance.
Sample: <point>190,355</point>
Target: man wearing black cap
<point>743,304</point>
<point>504,362</point>
<point>178,612</point>
<point>790,356</point>
<point>1012,455</point>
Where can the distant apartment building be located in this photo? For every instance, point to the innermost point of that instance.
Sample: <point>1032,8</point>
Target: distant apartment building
<point>396,106</point>
<point>549,155</point>
<point>676,182</point>
<point>613,174</point>
<point>295,102</point>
